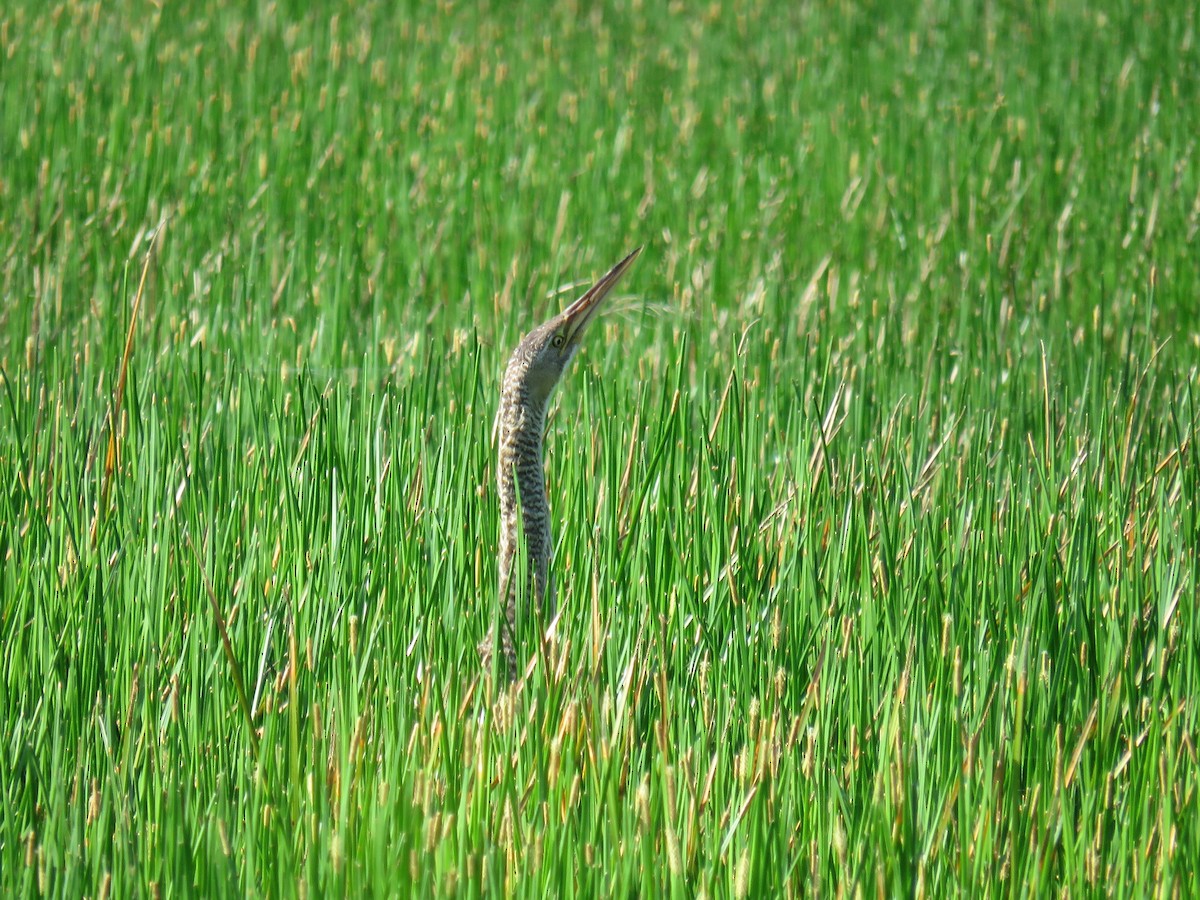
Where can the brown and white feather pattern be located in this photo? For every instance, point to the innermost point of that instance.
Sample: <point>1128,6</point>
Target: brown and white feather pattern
<point>536,367</point>
<point>524,505</point>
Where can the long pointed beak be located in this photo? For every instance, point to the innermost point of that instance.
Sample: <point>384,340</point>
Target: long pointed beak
<point>580,313</point>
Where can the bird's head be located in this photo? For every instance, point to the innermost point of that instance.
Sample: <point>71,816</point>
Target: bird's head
<point>543,354</point>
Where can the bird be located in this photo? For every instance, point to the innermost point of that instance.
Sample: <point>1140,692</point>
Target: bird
<point>533,372</point>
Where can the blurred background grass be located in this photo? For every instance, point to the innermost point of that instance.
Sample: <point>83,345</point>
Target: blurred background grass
<point>875,497</point>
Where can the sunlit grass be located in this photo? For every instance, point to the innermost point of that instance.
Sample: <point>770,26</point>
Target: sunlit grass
<point>875,501</point>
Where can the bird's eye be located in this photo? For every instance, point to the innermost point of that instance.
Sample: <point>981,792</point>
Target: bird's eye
<point>558,340</point>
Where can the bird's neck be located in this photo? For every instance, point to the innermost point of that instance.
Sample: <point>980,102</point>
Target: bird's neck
<point>524,509</point>
<point>520,476</point>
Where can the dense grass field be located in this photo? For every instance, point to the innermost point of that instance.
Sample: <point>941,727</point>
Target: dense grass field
<point>875,493</point>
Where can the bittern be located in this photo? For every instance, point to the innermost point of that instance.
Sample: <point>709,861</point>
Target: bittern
<point>533,372</point>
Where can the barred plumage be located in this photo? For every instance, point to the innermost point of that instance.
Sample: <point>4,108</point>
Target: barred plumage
<point>533,372</point>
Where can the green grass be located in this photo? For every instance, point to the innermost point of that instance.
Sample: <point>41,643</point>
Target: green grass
<point>875,497</point>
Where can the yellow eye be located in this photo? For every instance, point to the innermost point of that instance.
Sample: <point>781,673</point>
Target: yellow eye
<point>558,340</point>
